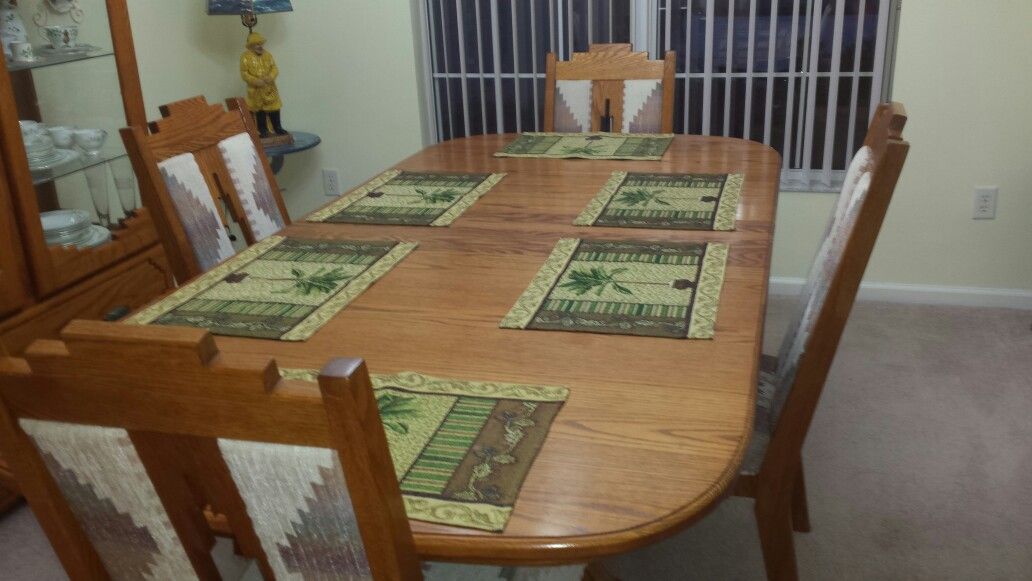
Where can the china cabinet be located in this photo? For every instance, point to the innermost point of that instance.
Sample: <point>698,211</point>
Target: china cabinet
<point>74,240</point>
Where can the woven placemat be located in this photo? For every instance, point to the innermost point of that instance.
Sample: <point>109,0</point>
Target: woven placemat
<point>280,288</point>
<point>589,146</point>
<point>409,198</point>
<point>667,201</point>
<point>461,449</point>
<point>657,289</point>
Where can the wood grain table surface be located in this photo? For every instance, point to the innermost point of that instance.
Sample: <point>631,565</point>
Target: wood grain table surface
<point>654,429</point>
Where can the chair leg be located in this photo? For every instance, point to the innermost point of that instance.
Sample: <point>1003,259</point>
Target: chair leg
<point>800,510</point>
<point>775,526</point>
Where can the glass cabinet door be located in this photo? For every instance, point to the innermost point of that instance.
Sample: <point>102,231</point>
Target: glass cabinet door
<point>66,62</point>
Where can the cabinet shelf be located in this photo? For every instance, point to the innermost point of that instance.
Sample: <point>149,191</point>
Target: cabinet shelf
<point>46,60</point>
<point>79,164</point>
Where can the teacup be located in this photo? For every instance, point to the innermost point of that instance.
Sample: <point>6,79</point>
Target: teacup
<point>90,140</point>
<point>63,135</point>
<point>21,52</point>
<point>30,127</point>
<point>35,138</point>
<point>62,36</point>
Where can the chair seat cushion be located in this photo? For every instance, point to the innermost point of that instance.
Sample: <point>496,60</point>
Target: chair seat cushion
<point>460,572</point>
<point>762,427</point>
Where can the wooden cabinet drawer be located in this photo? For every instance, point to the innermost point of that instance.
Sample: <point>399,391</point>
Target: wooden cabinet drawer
<point>122,288</point>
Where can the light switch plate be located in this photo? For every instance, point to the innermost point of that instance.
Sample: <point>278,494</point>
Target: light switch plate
<point>985,202</point>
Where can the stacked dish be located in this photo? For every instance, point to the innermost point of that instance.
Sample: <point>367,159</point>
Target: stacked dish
<point>40,149</point>
<point>72,228</point>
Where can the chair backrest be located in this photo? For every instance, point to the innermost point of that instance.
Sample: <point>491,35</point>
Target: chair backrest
<point>640,92</point>
<point>106,429</point>
<point>193,163</point>
<point>830,291</point>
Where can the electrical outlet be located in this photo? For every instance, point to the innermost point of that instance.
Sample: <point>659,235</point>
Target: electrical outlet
<point>985,202</point>
<point>331,182</point>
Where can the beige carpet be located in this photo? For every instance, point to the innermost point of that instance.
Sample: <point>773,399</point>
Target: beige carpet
<point>919,463</point>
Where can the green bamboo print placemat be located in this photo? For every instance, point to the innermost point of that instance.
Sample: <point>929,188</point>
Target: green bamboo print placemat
<point>280,288</point>
<point>461,449</point>
<point>677,201</point>
<point>589,146</point>
<point>409,198</point>
<point>657,289</point>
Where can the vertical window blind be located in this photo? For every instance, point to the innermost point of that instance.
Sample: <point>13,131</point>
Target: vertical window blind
<point>802,76</point>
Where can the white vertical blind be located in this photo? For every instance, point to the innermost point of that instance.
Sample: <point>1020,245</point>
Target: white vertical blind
<point>803,76</point>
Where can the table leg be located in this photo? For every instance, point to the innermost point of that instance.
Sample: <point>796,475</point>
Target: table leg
<point>8,498</point>
<point>276,163</point>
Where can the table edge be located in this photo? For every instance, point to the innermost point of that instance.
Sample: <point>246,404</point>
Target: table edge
<point>543,551</point>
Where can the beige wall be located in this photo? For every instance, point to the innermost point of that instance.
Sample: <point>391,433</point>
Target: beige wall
<point>349,71</point>
<point>962,74</point>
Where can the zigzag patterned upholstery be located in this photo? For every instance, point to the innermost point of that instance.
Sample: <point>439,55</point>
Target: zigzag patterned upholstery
<point>778,374</point>
<point>642,106</point>
<point>298,500</point>
<point>252,184</point>
<point>573,106</point>
<point>196,209</point>
<point>106,486</point>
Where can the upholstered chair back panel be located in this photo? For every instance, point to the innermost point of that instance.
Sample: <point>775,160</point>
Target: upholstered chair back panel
<point>642,106</point>
<point>252,184</point>
<point>107,488</point>
<point>818,281</point>
<point>573,106</point>
<point>196,209</point>
<point>298,501</point>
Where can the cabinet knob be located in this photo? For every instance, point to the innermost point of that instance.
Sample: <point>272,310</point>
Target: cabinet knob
<point>116,313</point>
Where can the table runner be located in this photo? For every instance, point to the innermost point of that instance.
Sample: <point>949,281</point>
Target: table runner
<point>657,289</point>
<point>409,198</point>
<point>677,201</point>
<point>280,288</point>
<point>589,146</point>
<point>461,449</point>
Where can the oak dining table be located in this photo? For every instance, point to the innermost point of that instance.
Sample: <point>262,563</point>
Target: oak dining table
<point>654,429</point>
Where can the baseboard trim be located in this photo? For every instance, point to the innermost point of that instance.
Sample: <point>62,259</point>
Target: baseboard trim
<point>967,296</point>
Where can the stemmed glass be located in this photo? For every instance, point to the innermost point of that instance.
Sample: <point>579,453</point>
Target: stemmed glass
<point>125,183</point>
<point>97,181</point>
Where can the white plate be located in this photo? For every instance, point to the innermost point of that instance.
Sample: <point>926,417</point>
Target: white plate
<point>49,49</point>
<point>61,157</point>
<point>60,221</point>
<point>98,235</point>
<point>95,236</point>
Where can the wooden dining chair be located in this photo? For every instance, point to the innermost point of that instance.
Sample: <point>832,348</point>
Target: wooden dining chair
<point>108,428</point>
<point>639,92</point>
<point>791,383</point>
<point>194,164</point>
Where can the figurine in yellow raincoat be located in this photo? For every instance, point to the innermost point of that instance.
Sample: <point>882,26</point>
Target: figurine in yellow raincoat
<point>258,69</point>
